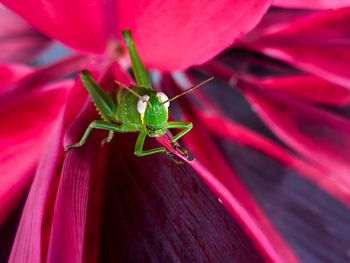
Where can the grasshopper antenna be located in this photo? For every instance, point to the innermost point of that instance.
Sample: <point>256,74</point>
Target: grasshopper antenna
<point>189,90</point>
<point>130,90</point>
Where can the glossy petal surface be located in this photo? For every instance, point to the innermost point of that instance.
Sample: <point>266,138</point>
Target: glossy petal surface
<point>321,136</point>
<point>25,135</point>
<point>309,88</point>
<point>317,43</point>
<point>79,24</point>
<point>187,32</point>
<point>169,34</point>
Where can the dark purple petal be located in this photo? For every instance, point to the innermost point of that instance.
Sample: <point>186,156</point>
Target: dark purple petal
<point>155,210</point>
<point>313,223</point>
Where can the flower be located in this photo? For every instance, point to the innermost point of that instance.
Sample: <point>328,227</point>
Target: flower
<point>105,204</point>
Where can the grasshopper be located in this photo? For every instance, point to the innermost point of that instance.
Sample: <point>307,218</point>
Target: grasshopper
<point>134,108</point>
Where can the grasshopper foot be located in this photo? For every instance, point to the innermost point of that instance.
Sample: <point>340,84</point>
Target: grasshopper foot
<point>71,146</point>
<point>108,139</point>
<point>175,159</point>
<point>182,150</point>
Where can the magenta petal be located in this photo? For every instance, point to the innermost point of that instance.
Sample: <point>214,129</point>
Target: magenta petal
<point>235,132</point>
<point>19,42</point>
<point>221,179</point>
<point>23,139</point>
<point>173,35</point>
<point>78,24</point>
<point>35,222</point>
<point>67,235</point>
<point>320,136</point>
<point>309,88</point>
<point>9,73</point>
<point>317,43</point>
<point>312,4</point>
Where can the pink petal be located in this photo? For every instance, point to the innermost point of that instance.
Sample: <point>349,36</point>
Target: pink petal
<point>79,24</point>
<point>172,35</point>
<point>9,73</point>
<point>76,219</point>
<point>312,4</point>
<point>73,192</point>
<point>48,73</point>
<point>157,26</point>
<point>227,186</point>
<point>66,241</point>
<point>231,130</point>
<point>35,223</point>
<point>309,88</point>
<point>19,42</point>
<point>23,140</point>
<point>237,133</point>
<point>320,136</point>
<point>318,44</point>
<point>224,182</point>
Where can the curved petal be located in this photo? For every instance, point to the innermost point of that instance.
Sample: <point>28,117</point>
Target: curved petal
<point>35,225</point>
<point>19,42</point>
<point>172,35</point>
<point>317,43</point>
<point>224,182</point>
<point>309,88</point>
<point>24,135</point>
<point>181,219</point>
<point>169,34</point>
<point>9,73</point>
<point>320,136</point>
<point>222,179</point>
<point>312,4</point>
<point>139,190</point>
<point>78,24</point>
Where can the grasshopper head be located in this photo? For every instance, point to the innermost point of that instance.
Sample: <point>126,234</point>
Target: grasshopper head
<point>154,113</point>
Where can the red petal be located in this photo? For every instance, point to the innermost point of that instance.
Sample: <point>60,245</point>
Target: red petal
<point>312,4</point>
<point>19,42</point>
<point>309,88</point>
<point>9,73</point>
<point>233,131</point>
<point>320,136</point>
<point>35,223</point>
<point>173,35</point>
<point>23,137</point>
<point>228,187</point>
<point>79,24</point>
<point>223,181</point>
<point>49,73</point>
<point>317,43</point>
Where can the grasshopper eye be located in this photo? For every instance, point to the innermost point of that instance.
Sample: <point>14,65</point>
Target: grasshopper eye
<point>142,104</point>
<point>162,98</point>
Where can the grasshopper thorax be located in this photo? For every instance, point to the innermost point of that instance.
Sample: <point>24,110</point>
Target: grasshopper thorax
<point>154,113</point>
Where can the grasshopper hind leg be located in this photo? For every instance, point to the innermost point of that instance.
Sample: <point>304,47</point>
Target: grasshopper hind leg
<point>97,124</point>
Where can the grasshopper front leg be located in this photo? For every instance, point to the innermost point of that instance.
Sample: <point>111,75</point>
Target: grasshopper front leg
<point>186,126</point>
<point>139,146</point>
<point>97,124</point>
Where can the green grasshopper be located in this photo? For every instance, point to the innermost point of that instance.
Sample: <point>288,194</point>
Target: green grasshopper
<point>136,108</point>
